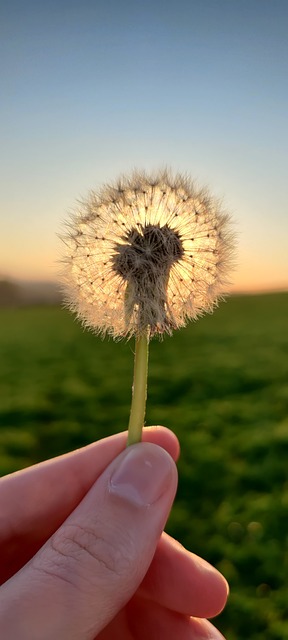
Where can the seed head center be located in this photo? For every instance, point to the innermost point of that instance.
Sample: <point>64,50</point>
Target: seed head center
<point>147,252</point>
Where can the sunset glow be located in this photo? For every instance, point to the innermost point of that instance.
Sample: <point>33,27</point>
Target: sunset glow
<point>93,91</point>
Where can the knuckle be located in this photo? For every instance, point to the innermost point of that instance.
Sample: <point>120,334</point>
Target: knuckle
<point>79,550</point>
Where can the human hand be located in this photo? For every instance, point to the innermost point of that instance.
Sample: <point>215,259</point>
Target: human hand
<point>83,555</point>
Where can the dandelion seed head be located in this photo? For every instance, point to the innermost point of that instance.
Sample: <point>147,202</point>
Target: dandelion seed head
<point>146,251</point>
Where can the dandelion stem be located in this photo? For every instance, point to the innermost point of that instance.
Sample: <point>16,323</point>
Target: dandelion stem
<point>139,389</point>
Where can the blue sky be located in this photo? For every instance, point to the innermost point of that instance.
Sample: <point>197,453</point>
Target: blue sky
<point>94,89</point>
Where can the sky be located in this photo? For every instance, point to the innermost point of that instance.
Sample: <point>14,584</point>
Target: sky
<point>94,89</point>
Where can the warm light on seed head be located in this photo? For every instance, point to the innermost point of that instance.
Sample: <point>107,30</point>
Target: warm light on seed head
<point>146,252</point>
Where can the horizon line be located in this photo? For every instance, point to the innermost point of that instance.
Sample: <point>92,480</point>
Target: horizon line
<point>235,290</point>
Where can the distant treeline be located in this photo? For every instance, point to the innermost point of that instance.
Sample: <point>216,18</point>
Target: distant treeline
<point>16,293</point>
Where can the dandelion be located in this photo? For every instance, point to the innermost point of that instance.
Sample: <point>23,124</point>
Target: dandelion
<point>144,256</point>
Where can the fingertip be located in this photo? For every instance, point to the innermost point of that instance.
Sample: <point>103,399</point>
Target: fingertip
<point>184,582</point>
<point>164,437</point>
<point>215,586</point>
<point>221,595</point>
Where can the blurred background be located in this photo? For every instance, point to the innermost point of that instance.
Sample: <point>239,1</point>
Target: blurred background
<point>94,89</point>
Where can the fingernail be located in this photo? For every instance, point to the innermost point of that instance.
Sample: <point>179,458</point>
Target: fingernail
<point>144,473</point>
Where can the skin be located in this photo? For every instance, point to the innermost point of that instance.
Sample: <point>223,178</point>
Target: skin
<point>172,592</point>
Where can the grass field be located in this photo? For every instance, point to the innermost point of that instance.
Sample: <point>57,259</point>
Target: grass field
<point>222,385</point>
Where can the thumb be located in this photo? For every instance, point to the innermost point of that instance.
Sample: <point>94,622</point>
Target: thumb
<point>93,564</point>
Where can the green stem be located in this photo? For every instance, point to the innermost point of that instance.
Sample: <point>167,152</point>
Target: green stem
<point>139,389</point>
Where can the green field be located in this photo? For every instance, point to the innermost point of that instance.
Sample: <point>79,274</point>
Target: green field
<point>222,385</point>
